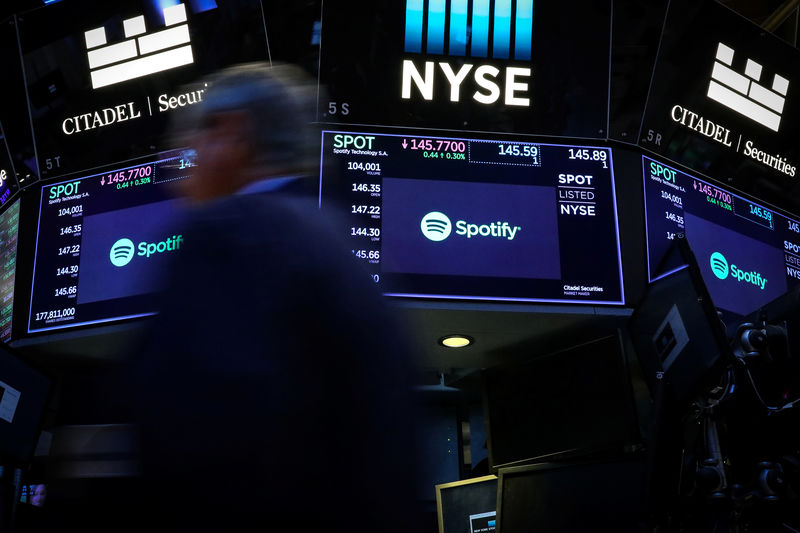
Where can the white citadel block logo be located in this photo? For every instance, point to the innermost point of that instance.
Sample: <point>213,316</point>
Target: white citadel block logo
<point>743,94</point>
<point>139,56</point>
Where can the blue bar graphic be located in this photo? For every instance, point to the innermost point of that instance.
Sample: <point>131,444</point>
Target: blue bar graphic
<point>458,27</point>
<point>414,15</point>
<point>436,20</point>
<point>480,28</point>
<point>524,30</point>
<point>501,46</point>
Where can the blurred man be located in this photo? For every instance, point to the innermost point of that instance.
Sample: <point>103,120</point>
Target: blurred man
<point>275,392</point>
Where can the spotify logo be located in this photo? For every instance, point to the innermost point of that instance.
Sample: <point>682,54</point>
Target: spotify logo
<point>436,226</point>
<point>719,265</point>
<point>122,252</point>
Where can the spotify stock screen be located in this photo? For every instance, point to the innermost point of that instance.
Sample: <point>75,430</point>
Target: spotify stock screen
<point>103,242</point>
<point>444,217</point>
<point>748,254</point>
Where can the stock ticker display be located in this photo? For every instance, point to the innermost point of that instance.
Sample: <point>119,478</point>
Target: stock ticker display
<point>8,177</point>
<point>103,242</point>
<point>9,236</point>
<point>748,254</point>
<point>469,218</point>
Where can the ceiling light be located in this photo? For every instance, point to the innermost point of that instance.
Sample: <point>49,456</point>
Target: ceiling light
<point>455,341</point>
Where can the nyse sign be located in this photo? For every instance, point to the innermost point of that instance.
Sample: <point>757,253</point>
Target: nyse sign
<point>515,92</point>
<point>471,65</point>
<point>471,42</point>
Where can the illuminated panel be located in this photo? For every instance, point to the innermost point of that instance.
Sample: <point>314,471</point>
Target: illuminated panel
<point>748,254</point>
<point>501,44</point>
<point>9,231</point>
<point>103,242</point>
<point>458,28</point>
<point>480,28</point>
<point>436,23</point>
<point>476,218</point>
<point>524,30</point>
<point>414,18</point>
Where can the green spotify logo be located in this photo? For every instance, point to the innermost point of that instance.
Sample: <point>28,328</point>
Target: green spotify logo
<point>121,253</point>
<point>720,268</point>
<point>436,226</point>
<point>719,265</point>
<point>123,250</point>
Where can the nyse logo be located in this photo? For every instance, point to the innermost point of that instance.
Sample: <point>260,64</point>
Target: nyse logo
<point>141,54</point>
<point>461,28</point>
<point>743,93</point>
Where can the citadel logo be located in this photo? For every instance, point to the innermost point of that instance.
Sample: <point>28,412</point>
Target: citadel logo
<point>139,56</point>
<point>743,93</point>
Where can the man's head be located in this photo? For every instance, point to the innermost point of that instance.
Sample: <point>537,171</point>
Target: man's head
<point>253,122</point>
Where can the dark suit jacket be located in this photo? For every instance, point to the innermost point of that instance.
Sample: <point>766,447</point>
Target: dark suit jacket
<point>275,388</point>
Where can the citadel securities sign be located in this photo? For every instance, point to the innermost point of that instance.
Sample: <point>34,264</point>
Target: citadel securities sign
<point>723,96</point>
<point>138,63</point>
<point>480,65</point>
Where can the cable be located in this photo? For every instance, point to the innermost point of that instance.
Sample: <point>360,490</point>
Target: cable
<point>772,410</point>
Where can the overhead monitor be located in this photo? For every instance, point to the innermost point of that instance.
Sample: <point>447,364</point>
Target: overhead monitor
<point>477,218</point>
<point>676,330</point>
<point>574,402</point>
<point>15,121</point>
<point>477,65</point>
<point>24,392</point>
<point>8,176</point>
<point>9,236</point>
<point>724,97</point>
<point>467,506</point>
<point>103,242</point>
<point>748,253</point>
<point>569,497</point>
<point>105,78</point>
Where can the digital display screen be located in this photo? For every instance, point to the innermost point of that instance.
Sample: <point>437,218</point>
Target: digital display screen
<point>103,242</point>
<point>112,74</point>
<point>467,218</point>
<point>748,254</point>
<point>722,100</point>
<point>503,66</point>
<point>467,505</point>
<point>8,177</point>
<point>23,397</point>
<point>9,234</point>
<point>15,121</point>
